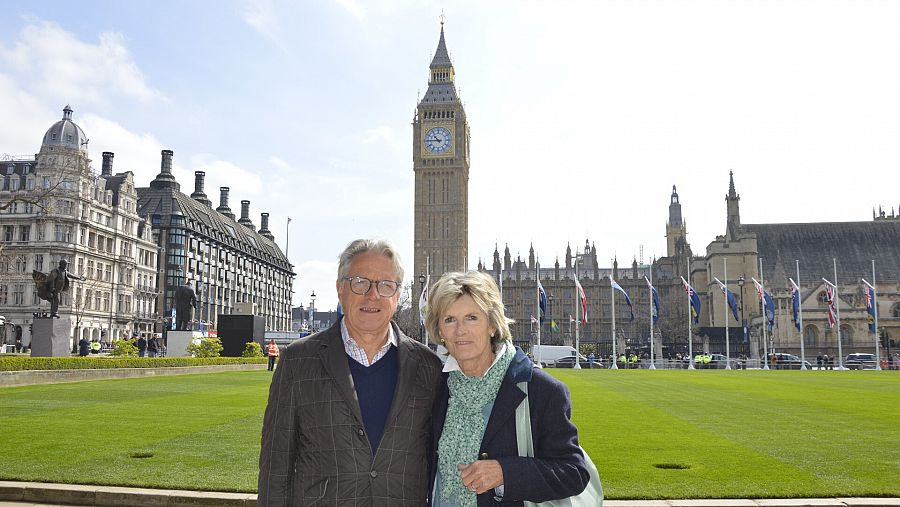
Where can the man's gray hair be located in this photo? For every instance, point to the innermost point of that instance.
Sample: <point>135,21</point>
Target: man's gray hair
<point>377,246</point>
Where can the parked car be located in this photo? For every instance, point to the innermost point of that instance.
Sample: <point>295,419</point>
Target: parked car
<point>860,361</point>
<point>569,362</point>
<point>788,362</point>
<point>718,362</point>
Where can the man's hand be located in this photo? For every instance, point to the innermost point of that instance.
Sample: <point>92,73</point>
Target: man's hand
<point>482,475</point>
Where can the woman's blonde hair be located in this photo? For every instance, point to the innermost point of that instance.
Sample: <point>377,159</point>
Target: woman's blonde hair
<point>482,289</point>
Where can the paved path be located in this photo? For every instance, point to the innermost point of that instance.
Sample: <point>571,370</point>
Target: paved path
<point>33,494</point>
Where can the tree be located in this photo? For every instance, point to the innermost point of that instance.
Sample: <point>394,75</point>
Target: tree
<point>407,314</point>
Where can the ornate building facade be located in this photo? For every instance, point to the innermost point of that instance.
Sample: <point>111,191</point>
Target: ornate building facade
<point>54,206</point>
<point>232,266</point>
<point>441,166</point>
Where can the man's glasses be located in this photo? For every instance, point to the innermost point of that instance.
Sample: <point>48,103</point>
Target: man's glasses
<point>360,285</point>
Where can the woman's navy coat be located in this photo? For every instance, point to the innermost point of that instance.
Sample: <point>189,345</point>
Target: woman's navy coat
<point>558,471</point>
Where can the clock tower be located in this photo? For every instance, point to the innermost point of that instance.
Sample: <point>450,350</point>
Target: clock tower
<point>441,166</point>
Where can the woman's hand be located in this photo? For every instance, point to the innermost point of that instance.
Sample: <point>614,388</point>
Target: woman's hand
<point>482,475</point>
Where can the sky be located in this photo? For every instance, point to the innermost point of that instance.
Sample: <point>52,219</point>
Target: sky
<point>583,114</point>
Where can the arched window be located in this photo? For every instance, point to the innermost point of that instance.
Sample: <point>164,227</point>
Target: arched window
<point>846,334</point>
<point>896,311</point>
<point>810,336</point>
<point>822,298</point>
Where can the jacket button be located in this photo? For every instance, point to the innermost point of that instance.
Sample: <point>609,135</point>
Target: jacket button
<point>373,473</point>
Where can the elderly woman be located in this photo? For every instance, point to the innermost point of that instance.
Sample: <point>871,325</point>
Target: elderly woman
<point>476,459</point>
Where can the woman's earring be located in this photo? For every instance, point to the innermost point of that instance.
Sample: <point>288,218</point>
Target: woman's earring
<point>442,340</point>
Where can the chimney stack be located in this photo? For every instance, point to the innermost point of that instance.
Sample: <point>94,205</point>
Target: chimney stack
<point>199,195</point>
<point>165,179</point>
<point>107,163</point>
<point>264,226</point>
<point>223,203</point>
<point>245,215</point>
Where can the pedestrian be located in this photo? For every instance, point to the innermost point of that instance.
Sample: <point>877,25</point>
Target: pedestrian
<point>897,361</point>
<point>272,352</point>
<point>95,346</point>
<point>476,456</point>
<point>819,361</point>
<point>84,347</point>
<point>153,346</point>
<point>142,346</point>
<point>348,420</point>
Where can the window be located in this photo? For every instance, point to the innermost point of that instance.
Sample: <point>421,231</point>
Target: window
<point>87,299</point>
<point>108,272</point>
<point>47,182</point>
<point>29,183</point>
<point>24,232</point>
<point>90,269</point>
<point>39,262</point>
<point>4,294</point>
<point>109,245</point>
<point>64,233</point>
<point>67,184</point>
<point>7,233</point>
<point>40,233</point>
<point>846,335</point>
<point>19,294</point>
<point>21,264</point>
<point>810,336</point>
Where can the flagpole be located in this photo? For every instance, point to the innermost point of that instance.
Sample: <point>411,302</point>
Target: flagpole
<point>802,341</point>
<point>537,290</point>
<point>650,284</point>
<point>875,310</point>
<point>690,318</point>
<point>874,314</point>
<point>612,298</point>
<point>725,295</point>
<point>762,281</point>
<point>578,317</point>
<point>837,308</point>
<point>427,284</point>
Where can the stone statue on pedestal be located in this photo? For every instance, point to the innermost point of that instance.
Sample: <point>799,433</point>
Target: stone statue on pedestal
<point>50,286</point>
<point>185,303</point>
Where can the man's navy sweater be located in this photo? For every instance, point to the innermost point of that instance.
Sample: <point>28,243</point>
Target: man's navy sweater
<point>375,387</point>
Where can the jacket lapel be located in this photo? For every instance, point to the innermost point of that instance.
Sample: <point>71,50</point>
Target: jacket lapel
<point>406,373</point>
<point>334,358</point>
<point>508,398</point>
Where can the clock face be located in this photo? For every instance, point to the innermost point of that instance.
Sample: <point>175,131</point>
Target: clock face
<point>437,140</point>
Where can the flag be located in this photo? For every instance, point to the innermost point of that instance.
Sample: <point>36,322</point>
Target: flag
<point>654,309</point>
<point>423,301</point>
<point>729,296</point>
<point>695,300</point>
<point>289,220</point>
<point>829,300</point>
<point>583,302</point>
<point>542,301</point>
<point>627,299</point>
<point>533,320</point>
<point>571,318</point>
<point>769,307</point>
<point>870,308</point>
<point>553,325</point>
<point>795,303</point>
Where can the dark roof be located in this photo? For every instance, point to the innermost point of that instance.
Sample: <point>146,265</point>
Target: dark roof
<point>853,244</point>
<point>166,202</point>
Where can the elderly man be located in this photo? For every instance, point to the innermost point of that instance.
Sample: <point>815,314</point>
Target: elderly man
<point>349,413</point>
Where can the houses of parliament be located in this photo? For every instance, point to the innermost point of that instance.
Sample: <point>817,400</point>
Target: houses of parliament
<point>770,253</point>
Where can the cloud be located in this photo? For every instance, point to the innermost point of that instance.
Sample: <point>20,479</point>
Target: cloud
<point>316,276</point>
<point>61,68</point>
<point>138,153</point>
<point>353,7</point>
<point>261,16</point>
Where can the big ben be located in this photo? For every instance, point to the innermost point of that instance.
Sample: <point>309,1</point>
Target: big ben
<point>441,166</point>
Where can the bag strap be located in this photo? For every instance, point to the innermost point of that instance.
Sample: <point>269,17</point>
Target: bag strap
<point>523,425</point>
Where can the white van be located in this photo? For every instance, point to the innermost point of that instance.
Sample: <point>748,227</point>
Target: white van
<point>546,355</point>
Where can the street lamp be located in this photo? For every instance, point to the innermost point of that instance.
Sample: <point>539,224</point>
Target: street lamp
<point>550,311</point>
<point>312,309</point>
<point>743,322</point>
<point>422,279</point>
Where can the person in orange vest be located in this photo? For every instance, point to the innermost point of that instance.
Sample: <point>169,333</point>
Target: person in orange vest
<point>272,352</point>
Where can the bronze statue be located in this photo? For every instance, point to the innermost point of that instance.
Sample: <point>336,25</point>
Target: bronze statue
<point>185,302</point>
<point>49,286</point>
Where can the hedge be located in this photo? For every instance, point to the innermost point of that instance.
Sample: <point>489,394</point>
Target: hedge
<point>19,363</point>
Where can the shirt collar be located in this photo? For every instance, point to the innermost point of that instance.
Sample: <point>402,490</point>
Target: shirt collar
<point>451,365</point>
<point>350,342</point>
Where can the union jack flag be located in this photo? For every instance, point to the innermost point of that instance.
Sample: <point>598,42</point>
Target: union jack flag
<point>829,300</point>
<point>584,306</point>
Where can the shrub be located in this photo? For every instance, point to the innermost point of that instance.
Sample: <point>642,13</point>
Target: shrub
<point>20,363</point>
<point>208,347</point>
<point>252,349</point>
<point>124,348</point>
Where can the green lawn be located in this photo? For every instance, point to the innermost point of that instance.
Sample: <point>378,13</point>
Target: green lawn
<point>715,433</point>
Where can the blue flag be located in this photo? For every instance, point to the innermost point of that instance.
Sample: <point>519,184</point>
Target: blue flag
<point>695,301</point>
<point>627,299</point>
<point>732,302</point>
<point>870,308</point>
<point>542,301</point>
<point>769,306</point>
<point>795,304</point>
<point>654,308</point>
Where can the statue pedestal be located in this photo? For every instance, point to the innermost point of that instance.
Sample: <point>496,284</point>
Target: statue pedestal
<point>51,337</point>
<point>177,342</point>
